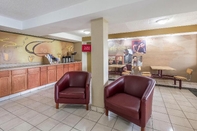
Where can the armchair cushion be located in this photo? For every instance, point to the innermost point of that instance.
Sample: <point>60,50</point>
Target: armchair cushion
<point>73,93</point>
<point>125,104</point>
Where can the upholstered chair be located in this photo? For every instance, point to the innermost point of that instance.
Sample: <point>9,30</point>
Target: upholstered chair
<point>131,98</point>
<point>73,88</point>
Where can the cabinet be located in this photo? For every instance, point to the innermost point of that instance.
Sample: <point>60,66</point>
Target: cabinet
<point>43,76</point>
<point>51,74</point>
<point>80,66</point>
<point>71,67</point>
<point>33,77</point>
<point>66,68</point>
<point>5,83</point>
<point>19,80</point>
<point>77,67</point>
<point>59,71</point>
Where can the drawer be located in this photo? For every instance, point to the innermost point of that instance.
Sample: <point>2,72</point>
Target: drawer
<point>59,66</point>
<point>51,67</point>
<point>4,73</point>
<point>18,72</point>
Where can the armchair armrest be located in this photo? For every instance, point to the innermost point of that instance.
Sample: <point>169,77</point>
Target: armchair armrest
<point>87,87</point>
<point>146,102</point>
<point>116,86</point>
<point>61,85</point>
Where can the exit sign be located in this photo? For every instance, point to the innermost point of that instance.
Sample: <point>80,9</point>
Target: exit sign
<point>86,48</point>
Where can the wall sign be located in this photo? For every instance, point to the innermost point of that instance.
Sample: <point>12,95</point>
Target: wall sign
<point>86,48</point>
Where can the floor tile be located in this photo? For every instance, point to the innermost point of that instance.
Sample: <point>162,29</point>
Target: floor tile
<point>161,125</point>
<point>181,128</point>
<point>99,127</point>
<point>81,112</point>
<point>191,116</point>
<point>189,109</point>
<point>172,106</point>
<point>11,124</point>
<point>60,115</point>
<point>159,109</point>
<point>123,125</point>
<point>37,119</point>
<point>6,117</point>
<point>72,120</point>
<point>47,125</point>
<point>71,108</point>
<point>22,127</point>
<point>107,120</point>
<point>94,116</point>
<point>85,125</point>
<point>74,130</point>
<point>28,115</point>
<point>51,111</point>
<point>61,127</point>
<point>160,116</point>
<point>35,129</point>
<point>174,112</point>
<point>180,121</point>
<point>194,124</point>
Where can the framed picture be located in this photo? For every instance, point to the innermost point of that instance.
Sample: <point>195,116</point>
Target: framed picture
<point>139,46</point>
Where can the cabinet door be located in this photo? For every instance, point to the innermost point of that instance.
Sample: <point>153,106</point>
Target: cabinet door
<point>76,66</point>
<point>43,76</point>
<point>33,77</point>
<point>80,66</point>
<point>59,71</point>
<point>19,80</point>
<point>51,74</point>
<point>5,83</point>
<point>66,68</point>
<point>71,67</point>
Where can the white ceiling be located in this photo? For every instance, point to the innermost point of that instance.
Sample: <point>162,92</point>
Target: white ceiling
<point>41,17</point>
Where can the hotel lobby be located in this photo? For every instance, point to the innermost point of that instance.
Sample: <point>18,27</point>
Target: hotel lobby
<point>41,41</point>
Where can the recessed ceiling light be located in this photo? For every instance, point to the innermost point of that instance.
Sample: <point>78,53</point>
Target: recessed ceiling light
<point>162,21</point>
<point>86,32</point>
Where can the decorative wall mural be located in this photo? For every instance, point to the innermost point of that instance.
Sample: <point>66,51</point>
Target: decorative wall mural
<point>16,48</point>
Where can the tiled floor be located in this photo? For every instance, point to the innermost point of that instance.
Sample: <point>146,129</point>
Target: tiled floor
<point>173,110</point>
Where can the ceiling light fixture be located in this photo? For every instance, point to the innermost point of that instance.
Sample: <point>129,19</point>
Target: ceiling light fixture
<point>162,21</point>
<point>86,32</point>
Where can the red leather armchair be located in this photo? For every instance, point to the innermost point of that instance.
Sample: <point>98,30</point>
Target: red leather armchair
<point>130,97</point>
<point>73,88</point>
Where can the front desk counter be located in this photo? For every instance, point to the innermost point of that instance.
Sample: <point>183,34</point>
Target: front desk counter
<point>17,79</point>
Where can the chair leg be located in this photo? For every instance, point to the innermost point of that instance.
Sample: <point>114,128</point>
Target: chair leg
<point>87,106</point>
<point>106,112</point>
<point>57,105</point>
<point>142,128</point>
<point>180,84</point>
<point>174,81</point>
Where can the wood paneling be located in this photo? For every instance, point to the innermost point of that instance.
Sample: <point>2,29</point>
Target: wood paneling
<point>59,71</point>
<point>19,80</point>
<point>51,74</point>
<point>33,77</point>
<point>5,83</point>
<point>43,75</point>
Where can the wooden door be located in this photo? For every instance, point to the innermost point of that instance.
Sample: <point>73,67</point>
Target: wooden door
<point>33,77</point>
<point>43,75</point>
<point>5,83</point>
<point>19,80</point>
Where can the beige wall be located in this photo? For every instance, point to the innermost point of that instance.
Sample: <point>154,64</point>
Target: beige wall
<point>179,52</point>
<point>78,49</point>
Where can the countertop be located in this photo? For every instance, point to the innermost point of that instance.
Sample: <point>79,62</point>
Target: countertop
<point>32,66</point>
